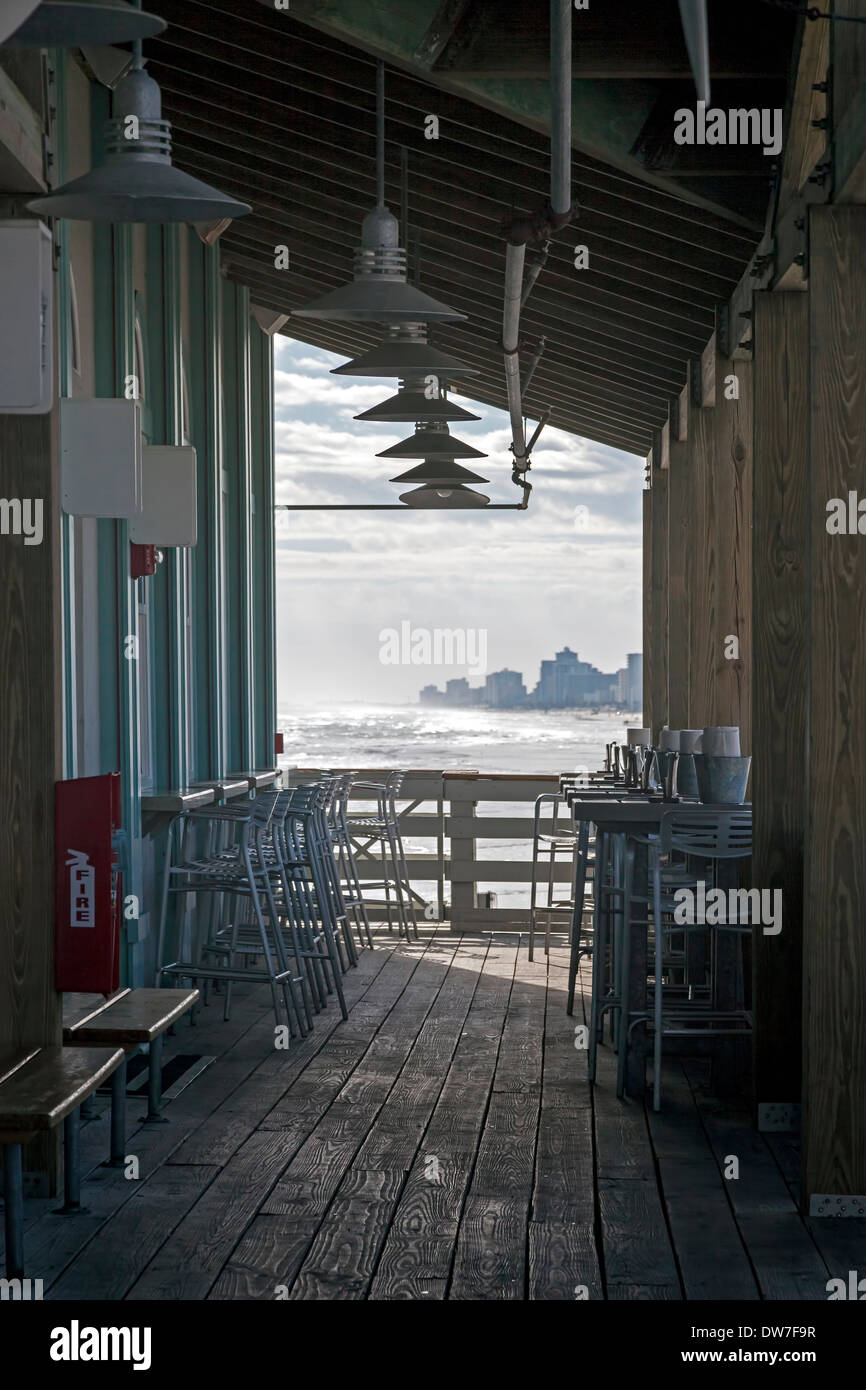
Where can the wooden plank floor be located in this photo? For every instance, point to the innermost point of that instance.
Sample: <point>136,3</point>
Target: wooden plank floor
<point>442,1143</point>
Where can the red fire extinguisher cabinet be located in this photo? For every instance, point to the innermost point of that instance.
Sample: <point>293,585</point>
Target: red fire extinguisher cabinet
<point>88,900</point>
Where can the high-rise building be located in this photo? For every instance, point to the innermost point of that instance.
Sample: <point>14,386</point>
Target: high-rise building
<point>505,690</point>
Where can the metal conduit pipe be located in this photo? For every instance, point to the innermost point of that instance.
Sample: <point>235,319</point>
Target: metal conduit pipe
<point>522,230</point>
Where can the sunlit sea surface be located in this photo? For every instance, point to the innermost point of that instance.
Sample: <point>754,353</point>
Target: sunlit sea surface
<point>414,737</point>
<point>387,736</point>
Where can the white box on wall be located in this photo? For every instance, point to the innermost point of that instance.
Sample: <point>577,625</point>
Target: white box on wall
<point>169,512</point>
<point>100,457</point>
<point>27,316</point>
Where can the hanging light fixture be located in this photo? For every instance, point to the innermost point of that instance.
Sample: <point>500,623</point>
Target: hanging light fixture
<point>432,439</point>
<point>138,182</point>
<point>439,473</point>
<point>456,498</point>
<point>379,292</point>
<point>405,350</point>
<point>412,403</point>
<point>72,23</point>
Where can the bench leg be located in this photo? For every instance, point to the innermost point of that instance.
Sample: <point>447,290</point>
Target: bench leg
<point>13,1191</point>
<point>118,1117</point>
<point>154,1084</point>
<point>71,1166</point>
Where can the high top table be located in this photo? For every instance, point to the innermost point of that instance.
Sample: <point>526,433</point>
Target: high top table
<point>632,813</point>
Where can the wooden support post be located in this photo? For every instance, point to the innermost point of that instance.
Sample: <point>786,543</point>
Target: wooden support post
<point>680,561</point>
<point>659,698</point>
<point>464,896</point>
<point>30,746</point>
<point>731,527</point>
<point>834,947</point>
<point>780,545</point>
<point>650,631</point>
<point>703,541</point>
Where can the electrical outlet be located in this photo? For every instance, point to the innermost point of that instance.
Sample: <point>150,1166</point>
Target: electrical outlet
<point>779,1117</point>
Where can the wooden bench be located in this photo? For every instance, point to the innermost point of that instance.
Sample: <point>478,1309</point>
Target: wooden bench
<point>39,1088</point>
<point>130,1019</point>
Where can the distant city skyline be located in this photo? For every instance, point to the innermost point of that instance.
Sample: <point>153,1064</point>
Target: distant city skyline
<point>565,682</point>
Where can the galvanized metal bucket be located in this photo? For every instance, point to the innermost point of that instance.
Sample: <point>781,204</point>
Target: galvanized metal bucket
<point>722,781</point>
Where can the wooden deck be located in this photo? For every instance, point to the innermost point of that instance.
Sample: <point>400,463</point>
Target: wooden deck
<point>443,1143</point>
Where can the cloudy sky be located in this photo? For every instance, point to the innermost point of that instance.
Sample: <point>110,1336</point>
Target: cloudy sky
<point>565,572</point>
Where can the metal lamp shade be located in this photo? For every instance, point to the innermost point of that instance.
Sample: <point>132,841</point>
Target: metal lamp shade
<point>444,473</point>
<point>431,441</point>
<point>138,182</point>
<point>379,292</point>
<point>444,499</point>
<point>376,300</point>
<point>405,352</point>
<point>411,404</point>
<point>73,23</point>
<point>14,14</point>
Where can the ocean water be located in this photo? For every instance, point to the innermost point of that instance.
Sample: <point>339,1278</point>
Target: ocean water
<point>411,736</point>
<point>394,736</point>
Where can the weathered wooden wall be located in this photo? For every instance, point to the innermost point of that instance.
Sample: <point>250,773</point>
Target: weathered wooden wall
<point>704,543</point>
<point>779,686</point>
<point>30,749</point>
<point>835,882</point>
<point>659,599</point>
<point>680,562</point>
<point>731,525</point>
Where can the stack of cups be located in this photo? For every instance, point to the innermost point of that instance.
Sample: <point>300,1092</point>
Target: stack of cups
<point>721,742</point>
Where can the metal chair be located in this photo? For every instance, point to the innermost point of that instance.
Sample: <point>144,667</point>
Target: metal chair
<point>704,838</point>
<point>337,811</point>
<point>241,873</point>
<point>383,829</point>
<point>560,839</point>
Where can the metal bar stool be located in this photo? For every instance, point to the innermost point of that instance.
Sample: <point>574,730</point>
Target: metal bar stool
<point>705,837</point>
<point>560,839</point>
<point>240,872</point>
<point>383,829</point>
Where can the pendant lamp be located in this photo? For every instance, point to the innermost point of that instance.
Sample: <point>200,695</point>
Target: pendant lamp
<point>137,181</point>
<point>76,23</point>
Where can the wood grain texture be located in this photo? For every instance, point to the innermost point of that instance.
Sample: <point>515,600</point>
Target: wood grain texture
<point>780,559</point>
<point>704,541</point>
<point>488,1078</point>
<point>732,525</point>
<point>680,563</point>
<point>658,712</point>
<point>835,881</point>
<point>30,750</point>
<point>650,631</point>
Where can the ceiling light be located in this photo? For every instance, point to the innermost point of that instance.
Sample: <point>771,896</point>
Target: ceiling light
<point>431,440</point>
<point>444,498</point>
<point>379,292</point>
<point>72,23</point>
<point>439,473</point>
<point>405,350</point>
<point>138,182</point>
<point>411,403</point>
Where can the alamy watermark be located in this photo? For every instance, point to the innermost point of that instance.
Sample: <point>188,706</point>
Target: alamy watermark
<point>423,646</point>
<point>738,906</point>
<point>22,516</point>
<point>737,126</point>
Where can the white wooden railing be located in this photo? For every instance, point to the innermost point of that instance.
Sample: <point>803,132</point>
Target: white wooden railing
<point>440,807</point>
